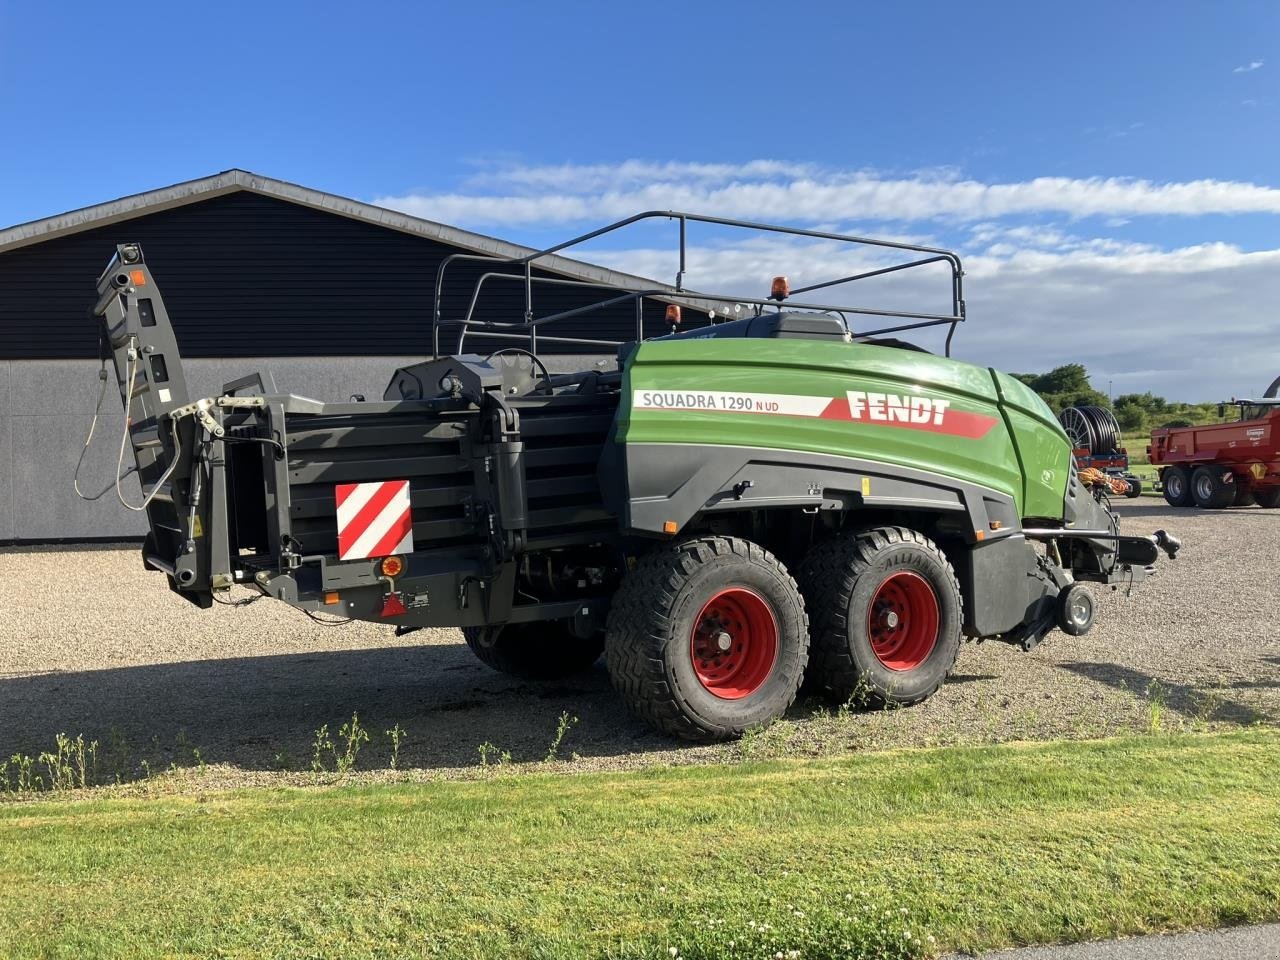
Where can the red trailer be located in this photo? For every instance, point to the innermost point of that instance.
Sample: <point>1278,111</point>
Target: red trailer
<point>1223,464</point>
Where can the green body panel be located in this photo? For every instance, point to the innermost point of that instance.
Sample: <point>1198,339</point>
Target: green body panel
<point>1020,439</point>
<point>1042,445</point>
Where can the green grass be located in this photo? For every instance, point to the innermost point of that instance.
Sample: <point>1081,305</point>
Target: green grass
<point>981,846</point>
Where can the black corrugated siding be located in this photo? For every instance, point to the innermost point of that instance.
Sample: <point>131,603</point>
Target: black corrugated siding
<point>247,275</point>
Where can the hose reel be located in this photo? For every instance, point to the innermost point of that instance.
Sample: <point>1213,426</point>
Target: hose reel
<point>1091,428</point>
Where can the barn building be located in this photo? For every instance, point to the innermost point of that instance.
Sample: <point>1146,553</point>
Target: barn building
<point>323,295</point>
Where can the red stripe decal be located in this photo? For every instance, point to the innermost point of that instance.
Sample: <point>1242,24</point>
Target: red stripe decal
<point>955,423</point>
<point>368,513</point>
<point>343,490</point>
<point>397,532</point>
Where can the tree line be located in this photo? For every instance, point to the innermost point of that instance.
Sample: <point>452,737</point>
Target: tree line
<point>1068,386</point>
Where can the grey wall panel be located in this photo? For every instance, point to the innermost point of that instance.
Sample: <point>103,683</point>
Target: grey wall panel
<point>46,407</point>
<point>6,457</point>
<point>46,388</point>
<point>44,502</point>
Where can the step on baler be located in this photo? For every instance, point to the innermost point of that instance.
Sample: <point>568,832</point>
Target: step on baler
<point>724,512</point>
<point>1218,465</point>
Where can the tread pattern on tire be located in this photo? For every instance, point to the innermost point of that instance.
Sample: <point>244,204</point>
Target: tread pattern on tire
<point>1185,500</point>
<point>1268,498</point>
<point>1223,494</point>
<point>639,625</point>
<point>829,571</point>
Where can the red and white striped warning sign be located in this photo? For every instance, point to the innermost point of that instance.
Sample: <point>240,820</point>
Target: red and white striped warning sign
<point>374,519</point>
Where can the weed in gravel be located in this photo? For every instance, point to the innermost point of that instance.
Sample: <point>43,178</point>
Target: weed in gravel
<point>1205,704</point>
<point>25,779</point>
<point>1157,706</point>
<point>71,762</point>
<point>749,742</point>
<point>766,741</point>
<point>343,754</point>
<point>352,735</point>
<point>396,735</point>
<point>562,727</point>
<point>70,765</point>
<point>321,745</point>
<point>490,755</point>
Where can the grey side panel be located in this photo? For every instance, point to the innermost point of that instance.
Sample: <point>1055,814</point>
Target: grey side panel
<point>667,482</point>
<point>1003,585</point>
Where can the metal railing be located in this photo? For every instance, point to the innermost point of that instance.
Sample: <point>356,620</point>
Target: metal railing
<point>679,293</point>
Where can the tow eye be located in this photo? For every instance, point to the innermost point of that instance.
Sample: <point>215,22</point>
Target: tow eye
<point>1169,544</point>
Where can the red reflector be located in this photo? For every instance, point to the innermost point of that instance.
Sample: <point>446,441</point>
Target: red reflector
<point>392,605</point>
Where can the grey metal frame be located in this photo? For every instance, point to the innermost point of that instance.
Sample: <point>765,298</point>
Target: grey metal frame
<point>530,323</point>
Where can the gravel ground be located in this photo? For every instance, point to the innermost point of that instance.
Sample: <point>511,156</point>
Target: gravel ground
<point>92,644</point>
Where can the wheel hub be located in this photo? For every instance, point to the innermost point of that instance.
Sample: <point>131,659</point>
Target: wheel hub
<point>734,643</point>
<point>903,621</point>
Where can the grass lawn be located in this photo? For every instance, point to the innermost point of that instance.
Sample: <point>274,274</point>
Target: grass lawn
<point>980,846</point>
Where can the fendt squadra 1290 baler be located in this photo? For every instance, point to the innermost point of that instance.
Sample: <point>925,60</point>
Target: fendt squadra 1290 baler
<point>729,510</point>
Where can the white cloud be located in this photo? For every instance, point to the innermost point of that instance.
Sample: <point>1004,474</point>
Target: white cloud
<point>1249,67</point>
<point>776,190</point>
<point>1196,322</point>
<point>1192,323</point>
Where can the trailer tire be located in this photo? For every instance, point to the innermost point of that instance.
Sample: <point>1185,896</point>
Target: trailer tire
<point>541,650</point>
<point>1269,498</point>
<point>1213,487</point>
<point>907,655</point>
<point>1135,488</point>
<point>1177,486</point>
<point>678,609</point>
<point>1244,496</point>
<point>1075,610</point>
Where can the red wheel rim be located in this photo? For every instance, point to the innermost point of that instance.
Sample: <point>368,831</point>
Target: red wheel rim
<point>734,643</point>
<point>903,621</point>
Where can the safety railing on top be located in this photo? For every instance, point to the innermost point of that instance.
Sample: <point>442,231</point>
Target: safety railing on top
<point>678,293</point>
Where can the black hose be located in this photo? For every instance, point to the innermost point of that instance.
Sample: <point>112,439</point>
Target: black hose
<point>1093,428</point>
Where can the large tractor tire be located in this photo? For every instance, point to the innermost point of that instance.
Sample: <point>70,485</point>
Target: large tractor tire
<point>1268,497</point>
<point>546,650</point>
<point>1213,487</point>
<point>885,613</point>
<point>1176,482</point>
<point>707,638</point>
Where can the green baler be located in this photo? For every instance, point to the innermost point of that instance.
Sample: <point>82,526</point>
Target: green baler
<point>732,509</point>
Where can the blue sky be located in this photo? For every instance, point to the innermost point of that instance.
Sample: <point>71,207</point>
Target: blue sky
<point>1108,170</point>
